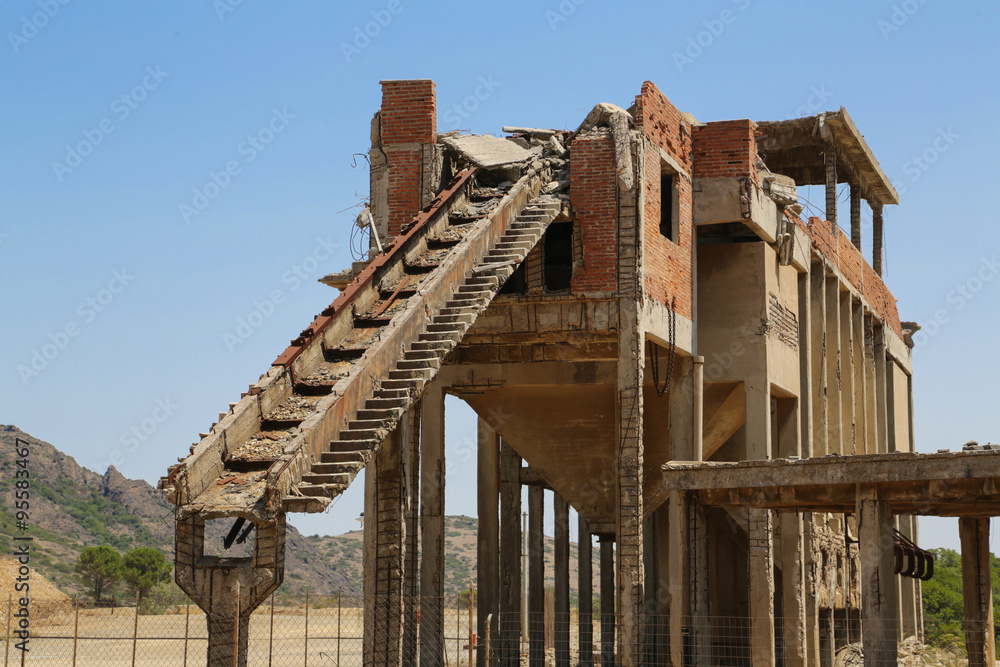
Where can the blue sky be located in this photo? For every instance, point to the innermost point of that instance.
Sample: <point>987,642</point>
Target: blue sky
<point>118,116</point>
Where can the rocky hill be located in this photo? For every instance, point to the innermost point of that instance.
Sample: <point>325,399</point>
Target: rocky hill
<point>72,508</point>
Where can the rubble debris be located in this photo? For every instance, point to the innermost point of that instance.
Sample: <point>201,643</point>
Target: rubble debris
<point>489,152</point>
<point>533,132</point>
<point>295,408</point>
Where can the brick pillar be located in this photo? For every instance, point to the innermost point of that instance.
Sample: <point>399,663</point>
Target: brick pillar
<point>403,138</point>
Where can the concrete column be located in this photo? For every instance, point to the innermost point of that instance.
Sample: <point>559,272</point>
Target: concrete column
<point>828,645</point>
<point>890,406</point>
<point>536,577</point>
<point>818,349</point>
<point>793,589</point>
<point>560,510</point>
<point>699,577</point>
<point>488,536</point>
<point>833,371</point>
<point>411,557</point>
<point>607,601</point>
<point>974,532</point>
<point>881,396</point>
<point>847,365</point>
<point>860,379</point>
<point>509,631</point>
<point>871,403</point>
<point>877,238</point>
<point>811,591</point>
<point>878,582</point>
<point>585,591</point>
<point>384,535</point>
<point>758,424</point>
<point>432,479</point>
<point>677,559</point>
<point>905,585</point>
<point>830,160</point>
<point>856,215</point>
<point>761,563</point>
<point>681,410</point>
<point>805,366</point>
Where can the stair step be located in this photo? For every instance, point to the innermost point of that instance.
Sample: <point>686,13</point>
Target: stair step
<point>337,467</point>
<point>339,479</point>
<point>349,456</point>
<point>373,425</point>
<point>438,347</point>
<point>346,445</point>
<point>385,404</point>
<point>471,304</point>
<point>322,489</point>
<point>467,318</point>
<point>414,354</point>
<point>385,393</point>
<point>360,434</point>
<point>391,414</point>
<point>459,310</point>
<point>409,384</point>
<point>482,280</point>
<point>410,374</point>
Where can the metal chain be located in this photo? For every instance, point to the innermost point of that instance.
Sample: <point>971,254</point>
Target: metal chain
<point>654,354</point>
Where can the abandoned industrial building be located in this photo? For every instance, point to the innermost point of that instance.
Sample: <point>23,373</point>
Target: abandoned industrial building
<point>719,389</point>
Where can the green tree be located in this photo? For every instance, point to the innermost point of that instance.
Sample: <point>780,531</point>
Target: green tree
<point>101,567</point>
<point>144,569</point>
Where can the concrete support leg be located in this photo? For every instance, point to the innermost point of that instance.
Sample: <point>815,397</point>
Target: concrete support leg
<point>699,578</point>
<point>214,588</point>
<point>677,557</point>
<point>878,582</point>
<point>871,406</point>
<point>881,392</point>
<point>488,540</point>
<point>585,592</point>
<point>607,601</point>
<point>536,577</point>
<point>977,590</point>
<point>432,528</point>
<point>561,569</point>
<point>384,535</point>
<point>509,628</point>
<point>806,393</point>
<point>793,590</point>
<point>828,644</point>
<point>761,563</point>
<point>860,379</point>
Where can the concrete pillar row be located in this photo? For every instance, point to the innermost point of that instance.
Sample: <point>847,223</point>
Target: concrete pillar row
<point>432,479</point>
<point>878,580</point>
<point>974,533</point>
<point>488,537</point>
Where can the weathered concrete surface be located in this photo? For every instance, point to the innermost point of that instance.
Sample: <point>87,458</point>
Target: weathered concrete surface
<point>487,151</point>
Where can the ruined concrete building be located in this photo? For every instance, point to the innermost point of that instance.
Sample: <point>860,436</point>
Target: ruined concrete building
<point>611,301</point>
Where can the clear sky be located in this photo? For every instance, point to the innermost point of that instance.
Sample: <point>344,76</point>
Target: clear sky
<point>169,169</point>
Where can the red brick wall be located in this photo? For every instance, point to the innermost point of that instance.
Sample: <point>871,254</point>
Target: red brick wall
<point>669,274</point>
<point>408,118</point>
<point>841,254</point>
<point>726,149</point>
<point>594,195</point>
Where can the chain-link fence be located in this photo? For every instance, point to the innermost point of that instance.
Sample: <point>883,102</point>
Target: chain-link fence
<point>330,630</point>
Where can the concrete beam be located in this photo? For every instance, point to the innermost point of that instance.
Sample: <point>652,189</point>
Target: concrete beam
<point>977,591</point>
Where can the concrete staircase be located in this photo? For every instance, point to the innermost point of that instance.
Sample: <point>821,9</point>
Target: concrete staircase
<point>420,362</point>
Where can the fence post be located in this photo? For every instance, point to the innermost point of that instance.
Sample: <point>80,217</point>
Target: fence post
<point>486,639</point>
<point>339,608</point>
<point>471,634</point>
<point>6,657</point>
<point>187,625</point>
<point>135,628</point>
<point>76,625</point>
<point>270,637</point>
<point>236,627</point>
<point>306,657</point>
